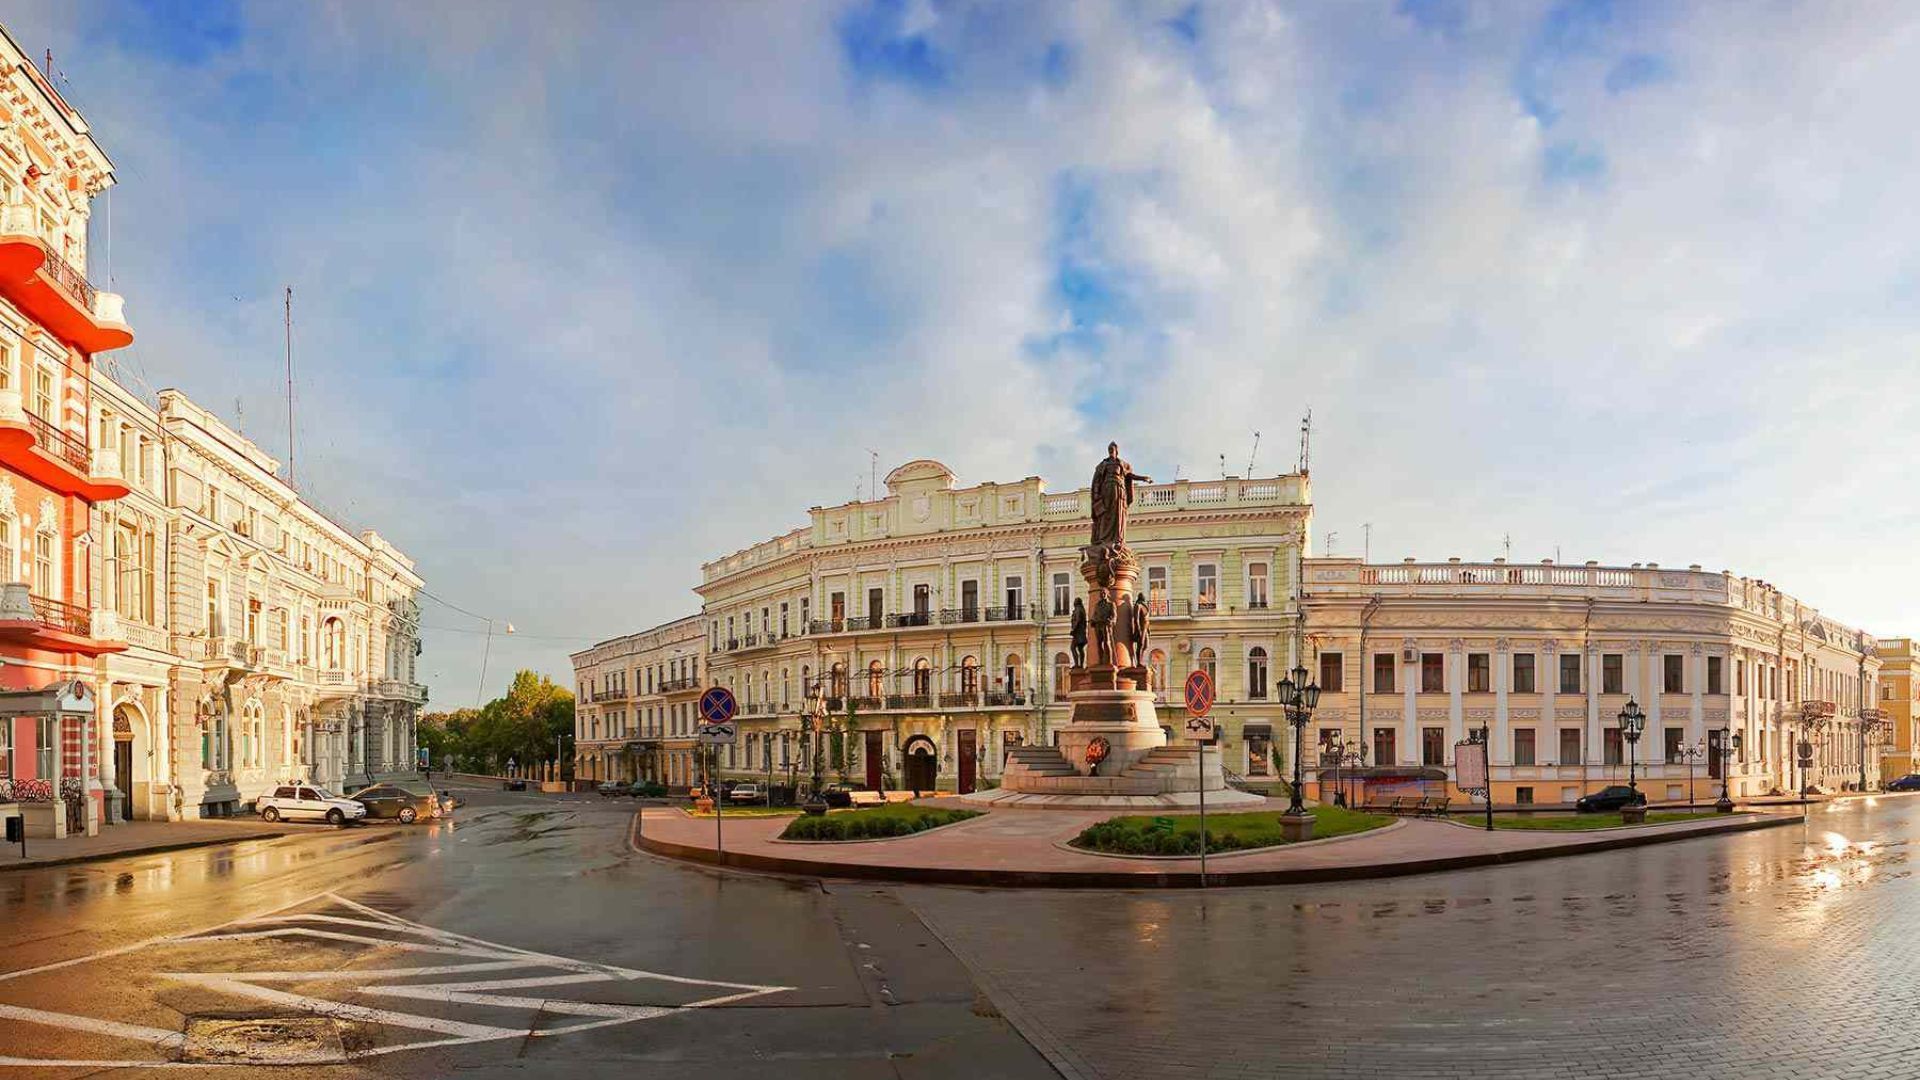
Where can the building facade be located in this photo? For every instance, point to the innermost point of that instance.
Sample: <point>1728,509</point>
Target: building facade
<point>634,704</point>
<point>1899,666</point>
<point>936,623</point>
<point>53,322</point>
<point>1412,657</point>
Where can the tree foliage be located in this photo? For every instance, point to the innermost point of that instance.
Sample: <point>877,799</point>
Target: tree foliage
<point>524,726</point>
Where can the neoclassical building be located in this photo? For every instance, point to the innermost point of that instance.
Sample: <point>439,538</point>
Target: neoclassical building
<point>633,709</point>
<point>1411,657</point>
<point>1900,668</point>
<point>936,621</point>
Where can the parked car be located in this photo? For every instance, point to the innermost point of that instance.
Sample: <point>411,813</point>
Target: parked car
<point>612,788</point>
<point>307,802</point>
<point>516,785</point>
<point>1909,782</point>
<point>395,801</point>
<point>1609,799</point>
<point>748,792</point>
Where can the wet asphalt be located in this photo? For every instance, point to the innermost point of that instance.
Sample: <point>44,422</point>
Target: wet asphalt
<point>559,951</point>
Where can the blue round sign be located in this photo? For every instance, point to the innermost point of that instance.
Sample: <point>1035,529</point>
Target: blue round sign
<point>717,705</point>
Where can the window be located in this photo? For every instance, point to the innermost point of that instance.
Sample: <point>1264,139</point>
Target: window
<point>9,351</point>
<point>1716,675</point>
<point>1256,673</point>
<point>876,679</point>
<point>876,608</point>
<point>1206,587</point>
<point>1569,746</point>
<point>9,558</point>
<point>6,749</point>
<point>1256,585</point>
<point>1671,747</point>
<point>1206,662</point>
<point>922,677</point>
<point>970,601</point>
<point>1523,673</point>
<point>1016,598</point>
<point>1062,663</point>
<point>784,630</point>
<point>1612,752</point>
<point>45,582</point>
<point>1523,796</point>
<point>47,747</point>
<point>1433,673</point>
<point>922,602</point>
<point>1157,590</point>
<point>1523,746</point>
<point>42,403</point>
<point>837,608</point>
<point>1671,666</point>
<point>1062,595</point>
<point>1383,751</point>
<point>1569,673</point>
<point>1479,673</point>
<point>1612,673</point>
<point>1331,671</point>
<point>970,676</point>
<point>1383,673</point>
<point>1433,746</point>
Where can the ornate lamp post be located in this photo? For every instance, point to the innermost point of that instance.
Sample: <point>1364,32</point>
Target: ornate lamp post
<point>1729,744</point>
<point>1813,725</point>
<point>1299,698</point>
<point>1632,723</point>
<point>1691,753</point>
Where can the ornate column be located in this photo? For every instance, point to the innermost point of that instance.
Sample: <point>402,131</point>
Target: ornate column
<point>1410,716</point>
<point>1501,752</point>
<point>1548,683</point>
<point>1456,684</point>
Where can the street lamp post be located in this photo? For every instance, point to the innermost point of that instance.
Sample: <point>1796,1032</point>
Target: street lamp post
<point>1299,698</point>
<point>1691,753</point>
<point>1729,743</point>
<point>1632,722</point>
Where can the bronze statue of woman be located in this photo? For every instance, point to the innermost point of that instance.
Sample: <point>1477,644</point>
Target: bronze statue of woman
<point>1113,481</point>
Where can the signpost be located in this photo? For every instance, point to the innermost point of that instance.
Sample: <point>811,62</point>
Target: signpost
<point>1200,730</point>
<point>1470,769</point>
<point>716,729</point>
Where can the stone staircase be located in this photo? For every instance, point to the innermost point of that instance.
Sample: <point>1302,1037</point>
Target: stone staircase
<point>1037,761</point>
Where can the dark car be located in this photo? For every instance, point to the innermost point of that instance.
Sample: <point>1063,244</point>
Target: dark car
<point>837,796</point>
<point>516,785</point>
<point>1909,782</point>
<point>394,801</point>
<point>1609,799</point>
<point>612,788</point>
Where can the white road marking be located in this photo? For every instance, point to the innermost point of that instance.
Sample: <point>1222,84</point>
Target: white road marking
<point>485,957</point>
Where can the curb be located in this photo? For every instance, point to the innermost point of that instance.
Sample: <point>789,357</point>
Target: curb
<point>1176,879</point>
<point>125,853</point>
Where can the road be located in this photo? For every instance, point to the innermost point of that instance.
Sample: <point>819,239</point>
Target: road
<point>526,938</point>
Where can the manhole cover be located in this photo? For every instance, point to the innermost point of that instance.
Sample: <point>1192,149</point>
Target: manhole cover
<point>275,1040</point>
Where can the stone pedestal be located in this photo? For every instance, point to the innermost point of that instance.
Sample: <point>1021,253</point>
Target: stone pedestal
<point>1296,827</point>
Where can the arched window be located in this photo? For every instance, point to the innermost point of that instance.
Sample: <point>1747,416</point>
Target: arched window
<point>333,644</point>
<point>969,676</point>
<point>837,680</point>
<point>1061,664</point>
<point>876,679</point>
<point>922,677</point>
<point>1256,673</point>
<point>1016,673</point>
<point>1206,662</point>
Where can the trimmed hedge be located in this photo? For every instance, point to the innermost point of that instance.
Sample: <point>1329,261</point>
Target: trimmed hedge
<point>1166,835</point>
<point>874,824</point>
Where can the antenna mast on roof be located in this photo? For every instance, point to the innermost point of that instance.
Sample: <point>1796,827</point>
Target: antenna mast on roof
<point>289,329</point>
<point>1306,442</point>
<point>1254,453</point>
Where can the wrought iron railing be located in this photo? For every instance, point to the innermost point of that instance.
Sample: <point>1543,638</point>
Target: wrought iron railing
<point>62,616</point>
<point>965,699</point>
<point>71,280</point>
<point>60,444</point>
<point>1006,697</point>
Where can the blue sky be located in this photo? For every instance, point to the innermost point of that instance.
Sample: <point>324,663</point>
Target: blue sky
<point>589,293</point>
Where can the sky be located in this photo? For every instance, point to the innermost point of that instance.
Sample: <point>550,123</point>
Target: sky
<point>588,294</point>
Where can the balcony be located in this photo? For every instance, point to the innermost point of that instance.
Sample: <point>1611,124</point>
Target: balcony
<point>909,701</point>
<point>400,690</point>
<point>52,292</point>
<point>1004,698</point>
<point>679,686</point>
<point>40,623</point>
<point>1014,613</point>
<point>870,703</point>
<point>1817,710</point>
<point>44,453</point>
<point>907,619</point>
<point>965,699</point>
<point>234,653</point>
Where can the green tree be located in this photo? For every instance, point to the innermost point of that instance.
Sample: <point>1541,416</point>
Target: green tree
<point>524,726</point>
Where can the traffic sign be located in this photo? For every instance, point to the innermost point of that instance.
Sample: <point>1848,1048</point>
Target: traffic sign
<point>1200,693</point>
<point>1200,728</point>
<point>717,705</point>
<point>718,734</point>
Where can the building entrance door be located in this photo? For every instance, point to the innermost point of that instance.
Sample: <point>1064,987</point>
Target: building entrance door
<point>873,752</point>
<point>921,769</point>
<point>964,751</point>
<point>123,773</point>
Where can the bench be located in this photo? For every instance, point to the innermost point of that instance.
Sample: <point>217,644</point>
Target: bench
<point>1433,806</point>
<point>865,798</point>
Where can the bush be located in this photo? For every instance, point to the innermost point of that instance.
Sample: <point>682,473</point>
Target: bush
<point>876,824</point>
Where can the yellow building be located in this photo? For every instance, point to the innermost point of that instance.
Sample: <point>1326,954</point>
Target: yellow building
<point>936,621</point>
<point>1900,661</point>
<point>634,707</point>
<point>1414,656</point>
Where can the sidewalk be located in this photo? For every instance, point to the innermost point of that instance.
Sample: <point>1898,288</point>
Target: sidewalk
<point>135,838</point>
<point>1023,850</point>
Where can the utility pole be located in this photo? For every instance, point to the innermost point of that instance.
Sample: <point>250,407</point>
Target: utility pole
<point>289,329</point>
<point>1366,542</point>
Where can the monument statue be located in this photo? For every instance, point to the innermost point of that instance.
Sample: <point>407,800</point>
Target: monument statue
<point>1141,619</point>
<point>1079,633</point>
<point>1103,614</point>
<point>1113,481</point>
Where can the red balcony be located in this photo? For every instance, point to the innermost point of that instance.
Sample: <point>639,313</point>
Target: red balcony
<point>36,622</point>
<point>52,292</point>
<point>53,458</point>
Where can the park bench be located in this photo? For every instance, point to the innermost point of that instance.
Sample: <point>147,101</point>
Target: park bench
<point>865,798</point>
<point>1433,806</point>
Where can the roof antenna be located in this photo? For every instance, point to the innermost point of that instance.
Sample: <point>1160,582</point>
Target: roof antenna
<point>1223,466</point>
<point>1507,541</point>
<point>1255,453</point>
<point>1306,442</point>
<point>873,472</point>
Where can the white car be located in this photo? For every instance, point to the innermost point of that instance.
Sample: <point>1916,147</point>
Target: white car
<point>305,802</point>
<point>747,792</point>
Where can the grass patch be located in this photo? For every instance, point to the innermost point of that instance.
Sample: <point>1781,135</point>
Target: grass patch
<point>1570,822</point>
<point>1170,835</point>
<point>747,811</point>
<point>895,819</point>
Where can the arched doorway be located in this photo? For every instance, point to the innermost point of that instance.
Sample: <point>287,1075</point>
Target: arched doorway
<point>123,760</point>
<point>920,764</point>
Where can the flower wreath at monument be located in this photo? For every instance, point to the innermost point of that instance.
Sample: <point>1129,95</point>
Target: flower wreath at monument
<point>1098,749</point>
